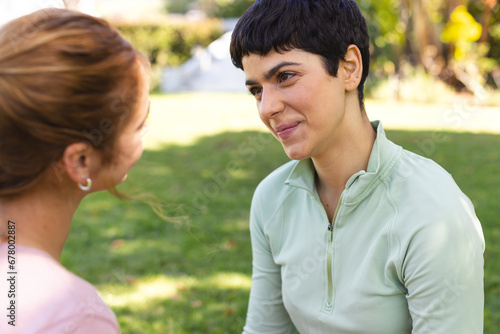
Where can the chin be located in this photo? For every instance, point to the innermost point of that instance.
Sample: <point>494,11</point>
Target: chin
<point>119,180</point>
<point>296,154</point>
<point>123,179</point>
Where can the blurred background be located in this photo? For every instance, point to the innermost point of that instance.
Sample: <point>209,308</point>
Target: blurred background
<point>177,259</point>
<point>422,50</point>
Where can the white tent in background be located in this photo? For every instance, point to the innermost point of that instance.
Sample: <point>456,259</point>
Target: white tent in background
<point>210,69</point>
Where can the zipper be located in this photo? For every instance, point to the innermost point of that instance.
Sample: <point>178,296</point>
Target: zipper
<point>329,297</point>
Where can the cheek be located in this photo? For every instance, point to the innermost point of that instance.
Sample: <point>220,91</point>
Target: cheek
<point>134,151</point>
<point>139,151</point>
<point>264,120</point>
<point>131,151</point>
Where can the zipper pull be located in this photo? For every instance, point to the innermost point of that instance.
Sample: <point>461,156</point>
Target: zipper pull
<point>330,227</point>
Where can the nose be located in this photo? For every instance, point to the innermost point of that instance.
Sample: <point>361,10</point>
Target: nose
<point>271,103</point>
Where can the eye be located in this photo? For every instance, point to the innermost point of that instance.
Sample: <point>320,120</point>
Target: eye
<point>284,76</point>
<point>255,90</point>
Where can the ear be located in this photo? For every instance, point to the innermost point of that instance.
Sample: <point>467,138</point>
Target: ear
<point>353,67</point>
<point>77,160</point>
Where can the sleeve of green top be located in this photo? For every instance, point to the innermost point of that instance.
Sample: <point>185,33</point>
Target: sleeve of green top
<point>266,313</point>
<point>442,270</point>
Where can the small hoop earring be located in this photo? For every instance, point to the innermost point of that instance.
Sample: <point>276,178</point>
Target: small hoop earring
<point>88,186</point>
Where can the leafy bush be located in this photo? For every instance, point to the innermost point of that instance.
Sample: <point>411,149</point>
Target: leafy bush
<point>213,8</point>
<point>171,44</point>
<point>179,6</point>
<point>226,8</point>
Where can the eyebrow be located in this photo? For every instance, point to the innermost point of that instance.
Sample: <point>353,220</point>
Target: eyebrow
<point>269,74</point>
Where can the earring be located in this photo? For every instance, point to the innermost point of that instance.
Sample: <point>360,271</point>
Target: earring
<point>88,186</point>
<point>353,68</point>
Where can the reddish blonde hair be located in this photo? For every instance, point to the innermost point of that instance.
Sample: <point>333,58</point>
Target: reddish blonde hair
<point>65,77</point>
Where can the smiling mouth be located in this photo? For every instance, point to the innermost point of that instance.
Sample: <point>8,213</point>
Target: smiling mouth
<point>285,131</point>
<point>286,127</point>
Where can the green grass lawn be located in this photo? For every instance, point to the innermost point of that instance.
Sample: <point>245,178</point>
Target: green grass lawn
<point>186,267</point>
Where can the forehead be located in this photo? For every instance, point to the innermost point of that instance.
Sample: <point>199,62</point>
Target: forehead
<point>272,56</point>
<point>258,67</point>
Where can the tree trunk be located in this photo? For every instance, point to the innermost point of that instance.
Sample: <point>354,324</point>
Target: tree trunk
<point>424,35</point>
<point>488,11</point>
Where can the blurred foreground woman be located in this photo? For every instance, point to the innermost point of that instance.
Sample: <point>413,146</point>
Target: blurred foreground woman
<point>73,105</point>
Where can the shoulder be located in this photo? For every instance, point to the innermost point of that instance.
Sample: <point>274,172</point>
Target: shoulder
<point>272,191</point>
<point>273,185</point>
<point>434,229</point>
<point>50,275</point>
<point>53,297</point>
<point>80,308</point>
<point>428,201</point>
<point>423,181</point>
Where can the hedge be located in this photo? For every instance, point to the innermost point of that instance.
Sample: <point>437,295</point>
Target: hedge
<point>171,44</point>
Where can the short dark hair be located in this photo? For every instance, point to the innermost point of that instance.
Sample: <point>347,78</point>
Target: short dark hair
<point>322,27</point>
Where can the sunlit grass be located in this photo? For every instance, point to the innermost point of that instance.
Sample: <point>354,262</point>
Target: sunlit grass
<point>141,292</point>
<point>192,274</point>
<point>181,118</point>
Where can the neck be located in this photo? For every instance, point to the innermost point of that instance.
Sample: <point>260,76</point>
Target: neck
<point>349,156</point>
<point>42,217</point>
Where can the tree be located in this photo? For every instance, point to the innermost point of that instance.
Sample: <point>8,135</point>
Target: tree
<point>423,33</point>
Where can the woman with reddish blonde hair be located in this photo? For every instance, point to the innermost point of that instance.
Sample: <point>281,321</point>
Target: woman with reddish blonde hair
<point>73,105</point>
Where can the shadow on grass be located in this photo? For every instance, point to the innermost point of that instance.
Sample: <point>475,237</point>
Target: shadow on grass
<point>119,245</point>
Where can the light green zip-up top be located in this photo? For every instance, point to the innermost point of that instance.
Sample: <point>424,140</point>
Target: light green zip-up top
<point>404,253</point>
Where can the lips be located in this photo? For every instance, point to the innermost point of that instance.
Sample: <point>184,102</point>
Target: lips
<point>285,131</point>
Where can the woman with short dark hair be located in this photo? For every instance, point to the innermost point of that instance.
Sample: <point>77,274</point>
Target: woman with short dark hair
<point>356,234</point>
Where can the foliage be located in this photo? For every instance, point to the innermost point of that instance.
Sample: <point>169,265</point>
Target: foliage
<point>455,44</point>
<point>179,6</point>
<point>387,33</point>
<point>462,30</point>
<point>226,8</point>
<point>192,275</point>
<point>213,8</point>
<point>491,20</point>
<point>171,44</point>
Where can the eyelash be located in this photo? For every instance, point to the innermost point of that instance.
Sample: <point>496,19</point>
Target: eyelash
<point>144,129</point>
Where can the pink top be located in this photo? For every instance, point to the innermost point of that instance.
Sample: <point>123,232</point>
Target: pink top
<point>47,298</point>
